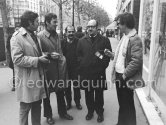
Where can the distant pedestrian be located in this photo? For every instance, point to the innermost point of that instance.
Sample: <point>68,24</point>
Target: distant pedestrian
<point>79,34</point>
<point>9,58</point>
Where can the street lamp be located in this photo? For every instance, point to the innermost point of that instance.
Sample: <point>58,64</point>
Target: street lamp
<point>18,13</point>
<point>73,15</point>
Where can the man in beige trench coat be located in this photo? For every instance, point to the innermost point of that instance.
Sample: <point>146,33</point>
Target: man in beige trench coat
<point>28,62</point>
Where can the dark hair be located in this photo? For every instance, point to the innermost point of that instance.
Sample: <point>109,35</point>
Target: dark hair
<point>26,17</point>
<point>127,19</point>
<point>49,17</point>
<point>79,29</point>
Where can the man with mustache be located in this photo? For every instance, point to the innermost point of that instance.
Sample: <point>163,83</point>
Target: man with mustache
<point>69,45</point>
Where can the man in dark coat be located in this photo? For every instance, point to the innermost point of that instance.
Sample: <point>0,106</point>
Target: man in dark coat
<point>79,34</point>
<point>69,46</point>
<point>9,60</point>
<point>55,70</point>
<point>92,69</point>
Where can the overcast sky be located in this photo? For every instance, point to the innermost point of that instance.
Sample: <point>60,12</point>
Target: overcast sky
<point>109,6</point>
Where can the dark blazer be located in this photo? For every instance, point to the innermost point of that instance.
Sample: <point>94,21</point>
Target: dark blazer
<point>90,66</point>
<point>69,51</point>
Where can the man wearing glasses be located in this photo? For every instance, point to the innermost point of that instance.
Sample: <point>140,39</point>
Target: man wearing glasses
<point>69,46</point>
<point>92,67</point>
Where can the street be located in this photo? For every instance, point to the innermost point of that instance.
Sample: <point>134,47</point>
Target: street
<point>9,107</point>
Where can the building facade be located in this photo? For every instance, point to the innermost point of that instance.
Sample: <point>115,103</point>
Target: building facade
<point>15,8</point>
<point>151,26</point>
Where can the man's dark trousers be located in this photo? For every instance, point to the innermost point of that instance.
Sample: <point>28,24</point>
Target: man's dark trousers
<point>77,93</point>
<point>61,105</point>
<point>94,101</point>
<point>127,114</point>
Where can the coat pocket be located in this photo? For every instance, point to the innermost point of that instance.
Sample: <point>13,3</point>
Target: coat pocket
<point>136,81</point>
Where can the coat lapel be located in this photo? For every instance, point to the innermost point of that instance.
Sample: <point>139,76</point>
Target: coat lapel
<point>50,40</point>
<point>39,44</point>
<point>29,39</point>
<point>89,40</point>
<point>97,39</point>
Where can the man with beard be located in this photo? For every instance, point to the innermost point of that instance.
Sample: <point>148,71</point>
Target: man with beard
<point>56,69</point>
<point>92,68</point>
<point>69,46</point>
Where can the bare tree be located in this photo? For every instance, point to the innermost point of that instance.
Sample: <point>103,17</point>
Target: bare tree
<point>77,3</point>
<point>92,10</point>
<point>4,14</point>
<point>82,9</point>
<point>60,3</point>
<point>86,10</point>
<point>69,9</point>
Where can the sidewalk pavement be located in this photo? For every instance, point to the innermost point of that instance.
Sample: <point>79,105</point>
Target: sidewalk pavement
<point>9,107</point>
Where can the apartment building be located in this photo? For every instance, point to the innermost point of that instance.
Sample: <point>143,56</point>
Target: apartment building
<point>17,7</point>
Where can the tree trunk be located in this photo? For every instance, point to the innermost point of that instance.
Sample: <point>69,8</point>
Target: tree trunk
<point>78,12</point>
<point>60,18</point>
<point>4,21</point>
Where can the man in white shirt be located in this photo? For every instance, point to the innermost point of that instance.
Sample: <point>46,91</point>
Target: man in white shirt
<point>128,62</point>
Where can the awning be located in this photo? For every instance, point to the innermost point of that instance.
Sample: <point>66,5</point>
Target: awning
<point>113,25</point>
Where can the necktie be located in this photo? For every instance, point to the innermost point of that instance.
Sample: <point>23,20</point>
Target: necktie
<point>37,44</point>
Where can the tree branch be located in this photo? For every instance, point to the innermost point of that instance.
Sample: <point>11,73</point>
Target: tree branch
<point>56,1</point>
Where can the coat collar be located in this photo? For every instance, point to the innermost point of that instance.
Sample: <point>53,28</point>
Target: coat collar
<point>46,33</point>
<point>87,37</point>
<point>24,32</point>
<point>132,33</point>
